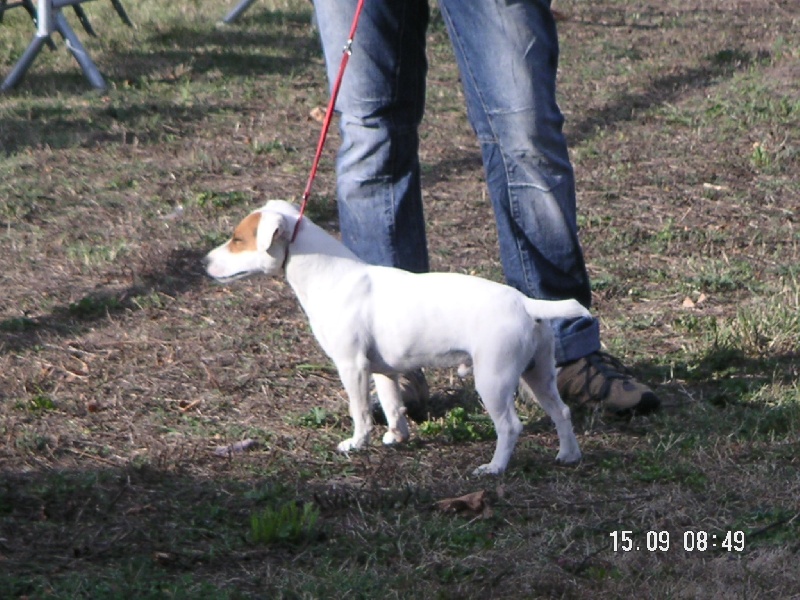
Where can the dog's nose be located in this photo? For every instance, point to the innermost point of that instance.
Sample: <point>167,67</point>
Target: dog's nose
<point>205,261</point>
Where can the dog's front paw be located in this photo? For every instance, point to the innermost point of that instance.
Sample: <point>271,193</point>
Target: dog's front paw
<point>398,433</point>
<point>395,436</point>
<point>488,469</point>
<point>350,444</point>
<point>569,458</point>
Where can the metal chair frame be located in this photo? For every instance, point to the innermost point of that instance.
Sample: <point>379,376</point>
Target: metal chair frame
<point>48,17</point>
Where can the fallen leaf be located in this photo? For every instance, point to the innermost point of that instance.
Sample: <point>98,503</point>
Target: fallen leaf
<point>163,558</point>
<point>318,114</point>
<point>716,188</point>
<point>185,406</point>
<point>475,504</point>
<point>175,215</point>
<point>688,302</point>
<point>236,448</point>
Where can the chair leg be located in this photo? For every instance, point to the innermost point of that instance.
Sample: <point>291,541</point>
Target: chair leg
<point>237,11</point>
<point>79,52</point>
<point>25,61</point>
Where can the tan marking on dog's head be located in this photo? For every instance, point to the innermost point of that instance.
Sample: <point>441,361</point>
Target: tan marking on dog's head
<point>245,234</point>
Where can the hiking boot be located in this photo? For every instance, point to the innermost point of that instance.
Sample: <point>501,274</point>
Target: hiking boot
<point>599,379</point>
<point>413,392</point>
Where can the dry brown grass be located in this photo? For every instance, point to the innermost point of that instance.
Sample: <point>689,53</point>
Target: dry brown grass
<point>124,369</point>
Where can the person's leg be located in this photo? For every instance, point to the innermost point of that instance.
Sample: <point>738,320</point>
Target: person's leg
<point>508,57</point>
<point>381,103</point>
<point>507,53</point>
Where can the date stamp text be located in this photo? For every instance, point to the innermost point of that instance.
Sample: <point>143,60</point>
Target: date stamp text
<point>690,541</point>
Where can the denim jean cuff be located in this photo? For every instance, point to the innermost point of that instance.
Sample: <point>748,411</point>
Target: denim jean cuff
<point>579,342</point>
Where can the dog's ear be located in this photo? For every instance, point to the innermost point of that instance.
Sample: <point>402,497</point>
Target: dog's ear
<point>273,228</point>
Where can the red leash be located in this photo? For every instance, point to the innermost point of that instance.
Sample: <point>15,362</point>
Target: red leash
<point>328,116</point>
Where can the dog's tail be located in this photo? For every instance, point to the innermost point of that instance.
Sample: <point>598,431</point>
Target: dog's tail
<point>555,309</point>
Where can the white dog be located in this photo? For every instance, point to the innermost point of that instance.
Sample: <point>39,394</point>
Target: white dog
<point>384,321</point>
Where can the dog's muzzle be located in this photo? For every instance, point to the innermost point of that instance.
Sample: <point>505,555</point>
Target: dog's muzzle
<point>206,261</point>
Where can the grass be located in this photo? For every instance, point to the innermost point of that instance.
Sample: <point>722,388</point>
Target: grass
<point>459,426</point>
<point>287,524</point>
<point>124,369</point>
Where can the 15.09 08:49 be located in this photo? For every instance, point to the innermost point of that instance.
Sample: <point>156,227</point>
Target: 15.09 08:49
<point>693,541</point>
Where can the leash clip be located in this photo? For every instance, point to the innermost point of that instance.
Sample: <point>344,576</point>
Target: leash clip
<point>348,47</point>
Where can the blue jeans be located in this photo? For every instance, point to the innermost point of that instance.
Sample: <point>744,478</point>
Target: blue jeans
<point>507,53</point>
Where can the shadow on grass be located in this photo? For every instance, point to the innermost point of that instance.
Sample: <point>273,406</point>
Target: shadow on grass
<point>664,89</point>
<point>60,127</point>
<point>180,271</point>
<point>235,51</point>
<point>626,107</point>
<point>151,532</point>
<point>171,57</point>
<point>759,394</point>
<point>98,530</point>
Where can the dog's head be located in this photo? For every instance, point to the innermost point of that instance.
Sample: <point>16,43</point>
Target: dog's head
<point>259,244</point>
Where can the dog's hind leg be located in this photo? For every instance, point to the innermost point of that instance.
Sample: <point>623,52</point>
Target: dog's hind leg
<point>355,378</point>
<point>392,404</point>
<point>541,380</point>
<point>496,387</point>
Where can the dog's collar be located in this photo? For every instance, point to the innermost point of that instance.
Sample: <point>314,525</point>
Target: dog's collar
<point>291,241</point>
<point>285,257</point>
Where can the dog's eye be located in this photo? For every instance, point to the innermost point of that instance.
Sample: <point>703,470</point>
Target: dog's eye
<point>236,240</point>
